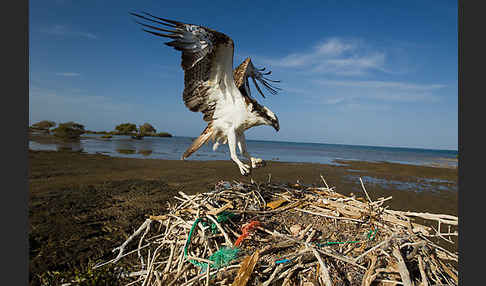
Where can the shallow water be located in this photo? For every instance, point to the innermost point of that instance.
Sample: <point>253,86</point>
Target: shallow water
<point>174,147</point>
<point>422,184</point>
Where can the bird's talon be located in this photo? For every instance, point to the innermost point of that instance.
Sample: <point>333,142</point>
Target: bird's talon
<point>245,170</point>
<point>257,163</point>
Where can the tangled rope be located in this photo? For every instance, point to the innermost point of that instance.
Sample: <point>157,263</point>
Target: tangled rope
<point>222,217</point>
<point>221,258</point>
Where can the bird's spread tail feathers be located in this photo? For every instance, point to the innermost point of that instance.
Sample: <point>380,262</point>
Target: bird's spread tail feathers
<point>199,141</point>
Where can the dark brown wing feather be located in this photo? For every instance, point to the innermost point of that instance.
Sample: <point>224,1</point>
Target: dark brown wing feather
<point>245,71</point>
<point>198,45</point>
<point>241,75</point>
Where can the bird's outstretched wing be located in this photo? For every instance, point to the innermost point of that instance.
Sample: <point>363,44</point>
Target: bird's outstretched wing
<point>247,70</point>
<point>207,57</point>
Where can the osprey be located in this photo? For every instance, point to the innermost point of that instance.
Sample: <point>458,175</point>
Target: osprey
<point>212,87</point>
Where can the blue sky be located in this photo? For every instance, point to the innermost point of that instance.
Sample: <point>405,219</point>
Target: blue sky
<point>380,73</point>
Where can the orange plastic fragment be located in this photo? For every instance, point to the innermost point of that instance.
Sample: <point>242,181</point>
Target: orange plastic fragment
<point>246,231</point>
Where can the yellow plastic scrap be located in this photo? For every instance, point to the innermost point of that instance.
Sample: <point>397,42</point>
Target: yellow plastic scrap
<point>275,204</point>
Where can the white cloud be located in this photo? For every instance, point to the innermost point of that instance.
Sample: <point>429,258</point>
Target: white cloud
<point>326,50</point>
<point>322,75</point>
<point>49,103</point>
<point>355,65</point>
<point>355,107</point>
<point>61,30</point>
<point>58,30</point>
<point>334,46</point>
<point>87,35</point>
<point>381,84</point>
<point>348,93</point>
<point>334,100</point>
<point>68,74</point>
<point>385,90</point>
<point>336,56</point>
<point>405,97</point>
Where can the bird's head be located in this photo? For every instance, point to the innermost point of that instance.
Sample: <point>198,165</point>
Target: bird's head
<point>271,119</point>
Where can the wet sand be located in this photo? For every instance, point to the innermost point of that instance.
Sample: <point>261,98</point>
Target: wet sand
<point>83,205</point>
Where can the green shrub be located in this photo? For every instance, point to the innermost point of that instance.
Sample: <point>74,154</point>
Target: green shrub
<point>126,151</point>
<point>43,125</point>
<point>163,134</point>
<point>147,129</point>
<point>126,128</point>
<point>69,130</point>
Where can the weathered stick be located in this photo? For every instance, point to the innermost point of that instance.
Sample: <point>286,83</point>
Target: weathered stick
<point>274,273</point>
<point>329,216</point>
<point>324,272</point>
<point>447,219</point>
<point>375,247</point>
<point>364,189</point>
<point>368,277</point>
<point>121,248</point>
<point>402,267</point>
<point>322,178</point>
<point>226,237</point>
<point>422,271</point>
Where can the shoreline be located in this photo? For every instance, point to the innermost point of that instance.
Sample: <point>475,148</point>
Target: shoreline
<point>307,173</point>
<point>43,139</point>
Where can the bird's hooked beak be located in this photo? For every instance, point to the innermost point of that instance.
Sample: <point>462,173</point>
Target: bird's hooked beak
<point>271,119</point>
<point>276,125</point>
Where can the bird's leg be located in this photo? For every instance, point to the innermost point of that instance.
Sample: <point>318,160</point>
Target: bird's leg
<point>244,169</point>
<point>255,162</point>
<point>215,145</point>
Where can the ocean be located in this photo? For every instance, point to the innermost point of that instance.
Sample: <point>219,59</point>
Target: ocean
<point>174,147</point>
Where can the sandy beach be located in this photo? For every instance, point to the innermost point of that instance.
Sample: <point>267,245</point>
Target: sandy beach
<point>83,205</point>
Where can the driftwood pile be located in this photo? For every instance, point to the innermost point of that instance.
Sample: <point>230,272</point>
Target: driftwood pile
<point>271,234</point>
